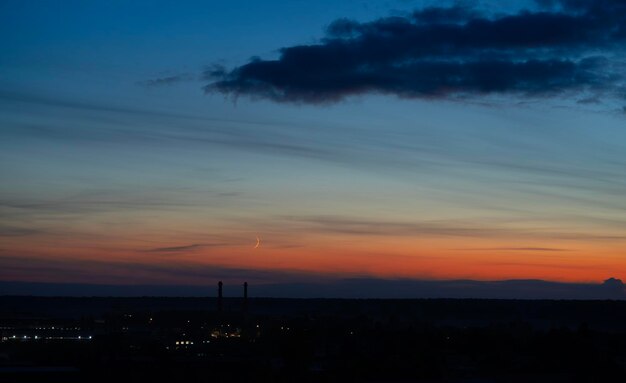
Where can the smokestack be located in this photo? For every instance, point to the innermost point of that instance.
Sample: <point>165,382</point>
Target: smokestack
<point>245,296</point>
<point>219,296</point>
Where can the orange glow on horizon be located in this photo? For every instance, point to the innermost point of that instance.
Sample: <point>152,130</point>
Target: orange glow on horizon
<point>336,257</point>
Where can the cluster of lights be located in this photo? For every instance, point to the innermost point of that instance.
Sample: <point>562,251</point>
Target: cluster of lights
<point>183,342</point>
<point>37,337</point>
<point>57,328</point>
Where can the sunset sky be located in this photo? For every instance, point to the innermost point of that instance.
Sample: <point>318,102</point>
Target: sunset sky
<point>152,142</point>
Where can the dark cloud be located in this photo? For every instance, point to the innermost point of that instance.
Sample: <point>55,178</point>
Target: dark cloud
<point>615,284</point>
<point>445,53</point>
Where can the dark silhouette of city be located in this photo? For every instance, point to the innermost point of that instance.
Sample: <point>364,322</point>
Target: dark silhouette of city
<point>241,339</point>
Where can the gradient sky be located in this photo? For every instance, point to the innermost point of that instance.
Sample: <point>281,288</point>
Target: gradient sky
<point>141,144</point>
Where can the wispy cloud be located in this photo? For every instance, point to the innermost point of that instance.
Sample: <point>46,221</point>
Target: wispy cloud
<point>12,231</point>
<point>167,80</point>
<point>548,249</point>
<point>176,249</point>
<point>566,46</point>
<point>184,248</point>
<point>487,228</point>
<point>103,271</point>
<point>46,100</point>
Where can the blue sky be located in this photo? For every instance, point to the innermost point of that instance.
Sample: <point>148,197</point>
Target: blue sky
<point>102,163</point>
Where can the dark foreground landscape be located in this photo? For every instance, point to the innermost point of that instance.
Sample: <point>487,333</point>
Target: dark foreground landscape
<point>310,340</point>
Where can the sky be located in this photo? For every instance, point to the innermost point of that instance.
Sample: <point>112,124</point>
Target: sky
<point>153,142</point>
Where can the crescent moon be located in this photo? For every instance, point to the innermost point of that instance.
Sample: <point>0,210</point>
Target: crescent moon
<point>258,242</point>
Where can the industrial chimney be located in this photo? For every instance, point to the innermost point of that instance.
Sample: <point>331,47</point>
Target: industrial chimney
<point>245,297</point>
<point>219,296</point>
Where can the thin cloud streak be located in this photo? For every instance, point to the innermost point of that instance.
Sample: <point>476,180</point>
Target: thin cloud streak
<point>102,271</point>
<point>351,149</point>
<point>184,248</point>
<point>167,80</point>
<point>343,225</point>
<point>13,231</point>
<point>541,249</point>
